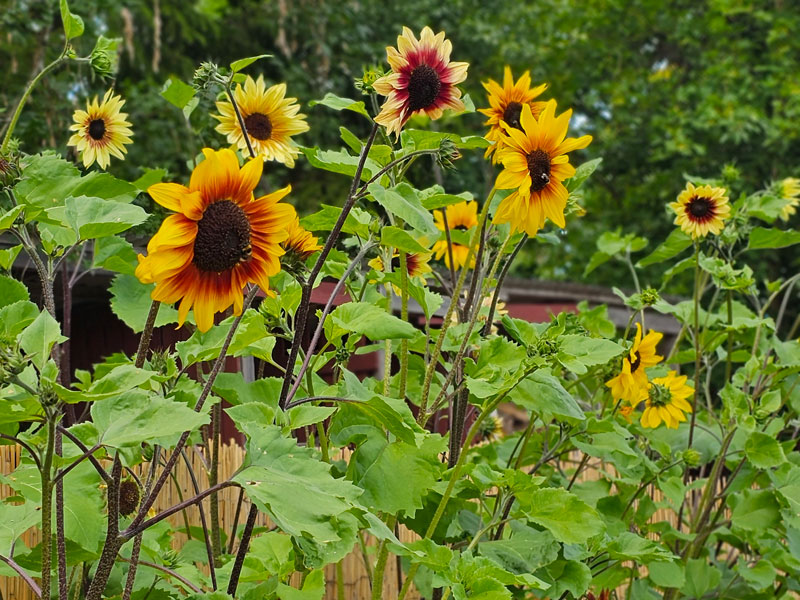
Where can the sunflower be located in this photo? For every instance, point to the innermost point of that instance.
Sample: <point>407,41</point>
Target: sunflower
<point>505,104</point>
<point>460,217</point>
<point>632,379</point>
<point>535,163</point>
<point>790,191</point>
<point>101,130</point>
<point>416,263</point>
<point>666,401</point>
<point>220,238</point>
<point>300,243</point>
<point>423,80</point>
<point>269,118</point>
<point>701,210</point>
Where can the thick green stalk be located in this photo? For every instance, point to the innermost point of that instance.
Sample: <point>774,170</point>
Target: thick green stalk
<point>47,505</point>
<point>380,565</point>
<point>404,317</point>
<point>697,286</point>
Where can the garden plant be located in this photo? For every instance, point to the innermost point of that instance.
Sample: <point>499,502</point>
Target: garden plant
<point>644,469</point>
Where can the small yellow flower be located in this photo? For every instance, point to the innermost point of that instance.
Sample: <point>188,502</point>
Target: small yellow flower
<point>460,217</point>
<point>701,210</point>
<point>102,131</point>
<point>632,379</point>
<point>535,163</point>
<point>269,117</point>
<point>422,81</point>
<point>300,242</point>
<point>505,104</point>
<point>790,191</point>
<point>666,401</point>
<point>417,264</point>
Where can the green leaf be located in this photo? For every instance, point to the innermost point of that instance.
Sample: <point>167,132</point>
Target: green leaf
<point>526,551</point>
<point>338,103</point>
<point>73,24</point>
<point>136,416</point>
<point>150,177</point>
<point>12,291</point>
<point>676,242</point>
<point>762,238</point>
<point>313,588</point>
<point>569,576</point>
<point>543,394</point>
<point>295,489</point>
<point>755,510</point>
<point>356,223</point>
<point>240,64</point>
<point>759,576</point>
<point>251,339</point>
<point>339,161</point>
<point>7,219</point>
<point>130,301</point>
<point>403,202</point>
<point>629,546</point>
<point>586,351</point>
<point>400,239</point>
<point>667,574</point>
<point>177,93</point>
<point>371,321</point>
<point>8,256</point>
<point>82,497</point>
<point>39,338</point>
<point>569,519</point>
<point>418,139</point>
<point>114,254</point>
<point>440,199</point>
<point>763,450</point>
<point>582,173</point>
<point>94,217</point>
<point>700,578</point>
<point>120,379</point>
<point>16,520</point>
<point>15,317</point>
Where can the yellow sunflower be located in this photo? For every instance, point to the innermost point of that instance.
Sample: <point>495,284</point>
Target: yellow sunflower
<point>666,400</point>
<point>417,264</point>
<point>632,379</point>
<point>101,130</point>
<point>505,104</point>
<point>423,80</point>
<point>460,217</point>
<point>701,210</point>
<point>535,163</point>
<point>300,243</point>
<point>219,240</point>
<point>269,117</point>
<point>790,191</point>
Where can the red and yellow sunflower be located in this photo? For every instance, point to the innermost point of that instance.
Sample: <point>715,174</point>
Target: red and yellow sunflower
<point>220,238</point>
<point>423,80</point>
<point>701,210</point>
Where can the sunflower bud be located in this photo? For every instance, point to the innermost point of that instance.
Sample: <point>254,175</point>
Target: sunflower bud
<point>650,296</point>
<point>9,172</point>
<point>104,58</point>
<point>12,362</point>
<point>128,497</point>
<point>205,76</point>
<point>370,76</point>
<point>691,457</point>
<point>448,154</point>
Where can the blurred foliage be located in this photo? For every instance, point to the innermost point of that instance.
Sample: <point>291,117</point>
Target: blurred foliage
<point>667,90</point>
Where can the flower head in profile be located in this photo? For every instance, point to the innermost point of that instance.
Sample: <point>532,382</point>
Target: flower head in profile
<point>460,217</point>
<point>220,238</point>
<point>790,192</point>
<point>666,400</point>
<point>300,243</point>
<point>535,163</point>
<point>422,81</point>
<point>269,117</point>
<point>416,263</point>
<point>101,131</point>
<point>505,105</point>
<point>701,210</point>
<point>632,379</point>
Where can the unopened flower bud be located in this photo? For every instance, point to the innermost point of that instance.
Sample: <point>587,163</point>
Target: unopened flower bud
<point>104,57</point>
<point>366,81</point>
<point>448,153</point>
<point>128,497</point>
<point>650,296</point>
<point>9,172</point>
<point>205,75</point>
<point>691,457</point>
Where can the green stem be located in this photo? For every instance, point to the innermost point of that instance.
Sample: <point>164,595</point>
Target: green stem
<point>696,340</point>
<point>12,125</point>
<point>404,317</point>
<point>213,479</point>
<point>380,565</point>
<point>729,351</point>
<point>47,505</point>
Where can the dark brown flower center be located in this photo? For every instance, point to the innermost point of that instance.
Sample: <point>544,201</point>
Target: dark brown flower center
<point>258,126</point>
<point>637,360</point>
<point>223,238</point>
<point>423,87</point>
<point>701,208</point>
<point>512,114</point>
<point>97,129</point>
<point>539,168</point>
<point>461,227</point>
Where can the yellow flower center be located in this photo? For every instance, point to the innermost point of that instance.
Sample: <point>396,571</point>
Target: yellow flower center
<point>512,114</point>
<point>423,87</point>
<point>97,129</point>
<point>539,168</point>
<point>258,126</point>
<point>223,238</point>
